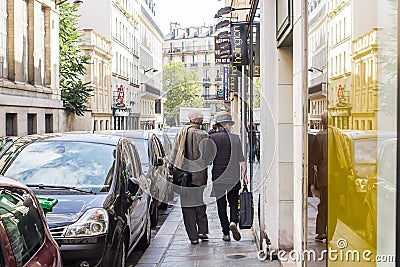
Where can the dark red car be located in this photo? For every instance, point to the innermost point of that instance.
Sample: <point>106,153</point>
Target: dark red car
<point>25,239</point>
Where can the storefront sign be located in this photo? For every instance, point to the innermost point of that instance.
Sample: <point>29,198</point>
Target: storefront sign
<point>119,112</point>
<point>120,97</point>
<point>239,44</point>
<point>225,84</point>
<point>234,74</point>
<point>221,55</point>
<point>256,72</point>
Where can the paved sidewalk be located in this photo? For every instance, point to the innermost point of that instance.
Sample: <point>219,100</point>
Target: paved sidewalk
<point>171,246</point>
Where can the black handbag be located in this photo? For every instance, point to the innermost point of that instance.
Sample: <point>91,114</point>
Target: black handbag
<point>181,177</point>
<point>246,209</point>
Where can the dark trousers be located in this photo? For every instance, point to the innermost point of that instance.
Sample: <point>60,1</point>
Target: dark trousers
<point>321,222</point>
<point>194,217</point>
<point>326,222</point>
<point>233,197</point>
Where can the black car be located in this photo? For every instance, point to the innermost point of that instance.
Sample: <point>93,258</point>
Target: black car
<point>155,165</point>
<point>103,198</point>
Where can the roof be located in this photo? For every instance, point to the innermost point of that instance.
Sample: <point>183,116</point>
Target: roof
<point>5,181</point>
<point>70,137</point>
<point>133,134</point>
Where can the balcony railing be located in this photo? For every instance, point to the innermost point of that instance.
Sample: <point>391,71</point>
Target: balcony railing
<point>199,48</point>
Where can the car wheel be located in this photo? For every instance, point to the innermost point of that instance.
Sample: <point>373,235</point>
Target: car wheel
<point>154,214</point>
<point>144,241</point>
<point>121,256</point>
<point>370,231</point>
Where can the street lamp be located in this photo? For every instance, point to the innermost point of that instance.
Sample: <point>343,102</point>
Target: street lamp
<point>75,2</point>
<point>313,69</point>
<point>228,9</point>
<point>151,69</point>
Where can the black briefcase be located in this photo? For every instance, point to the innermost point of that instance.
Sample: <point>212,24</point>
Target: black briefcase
<point>246,209</point>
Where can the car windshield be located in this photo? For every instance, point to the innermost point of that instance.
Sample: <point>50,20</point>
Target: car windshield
<point>76,164</point>
<point>142,148</point>
<point>365,151</point>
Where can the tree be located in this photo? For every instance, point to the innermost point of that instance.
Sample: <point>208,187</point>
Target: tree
<point>182,88</point>
<point>74,93</point>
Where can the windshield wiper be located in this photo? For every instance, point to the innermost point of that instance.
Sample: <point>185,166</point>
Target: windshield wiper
<point>47,186</point>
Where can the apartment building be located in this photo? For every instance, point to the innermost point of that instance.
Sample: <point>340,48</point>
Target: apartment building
<point>118,22</point>
<point>30,99</point>
<point>339,62</point>
<point>317,61</point>
<point>151,93</point>
<point>195,47</point>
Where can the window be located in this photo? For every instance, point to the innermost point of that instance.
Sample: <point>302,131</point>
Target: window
<point>183,59</point>
<point>11,124</point>
<point>32,123</point>
<point>48,121</point>
<point>21,219</point>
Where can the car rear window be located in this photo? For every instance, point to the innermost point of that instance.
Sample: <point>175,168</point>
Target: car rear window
<point>143,150</point>
<point>78,164</point>
<point>22,222</point>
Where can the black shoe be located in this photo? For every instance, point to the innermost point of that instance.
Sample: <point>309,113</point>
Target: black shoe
<point>235,232</point>
<point>320,237</point>
<point>194,242</point>
<point>203,236</point>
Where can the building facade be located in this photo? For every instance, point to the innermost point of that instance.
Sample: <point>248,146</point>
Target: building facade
<point>339,62</point>
<point>30,99</point>
<point>195,47</point>
<point>317,67</point>
<point>118,22</point>
<point>151,93</point>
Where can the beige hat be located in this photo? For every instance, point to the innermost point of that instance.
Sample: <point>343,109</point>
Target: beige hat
<point>224,117</point>
<point>195,114</point>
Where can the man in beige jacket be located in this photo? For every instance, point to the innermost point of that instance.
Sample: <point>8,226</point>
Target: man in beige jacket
<point>187,155</point>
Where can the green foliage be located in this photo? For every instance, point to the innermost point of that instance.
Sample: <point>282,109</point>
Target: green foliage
<point>74,93</point>
<point>182,88</point>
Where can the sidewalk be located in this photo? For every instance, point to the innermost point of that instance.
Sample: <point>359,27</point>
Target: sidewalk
<point>171,246</point>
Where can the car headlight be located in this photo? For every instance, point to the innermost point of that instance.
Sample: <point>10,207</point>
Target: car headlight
<point>93,222</point>
<point>361,185</point>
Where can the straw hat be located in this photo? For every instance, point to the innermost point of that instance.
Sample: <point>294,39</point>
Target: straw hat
<point>224,117</point>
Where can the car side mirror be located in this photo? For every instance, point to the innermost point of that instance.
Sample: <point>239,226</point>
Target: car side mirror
<point>159,162</point>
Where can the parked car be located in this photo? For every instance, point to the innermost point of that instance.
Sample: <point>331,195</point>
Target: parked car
<point>165,141</point>
<point>364,147</point>
<point>103,197</point>
<point>5,143</point>
<point>25,239</point>
<point>171,132</point>
<point>381,198</point>
<point>154,163</point>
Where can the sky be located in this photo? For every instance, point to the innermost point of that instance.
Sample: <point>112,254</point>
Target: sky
<point>186,12</point>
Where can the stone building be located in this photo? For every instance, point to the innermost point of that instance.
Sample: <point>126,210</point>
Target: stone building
<point>317,67</point>
<point>98,74</point>
<point>195,47</point>
<point>30,100</point>
<point>118,22</point>
<point>151,40</point>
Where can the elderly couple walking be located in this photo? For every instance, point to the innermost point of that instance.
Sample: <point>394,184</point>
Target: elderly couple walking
<point>193,150</point>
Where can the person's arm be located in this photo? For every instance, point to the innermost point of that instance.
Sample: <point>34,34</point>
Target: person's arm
<point>242,161</point>
<point>243,165</point>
